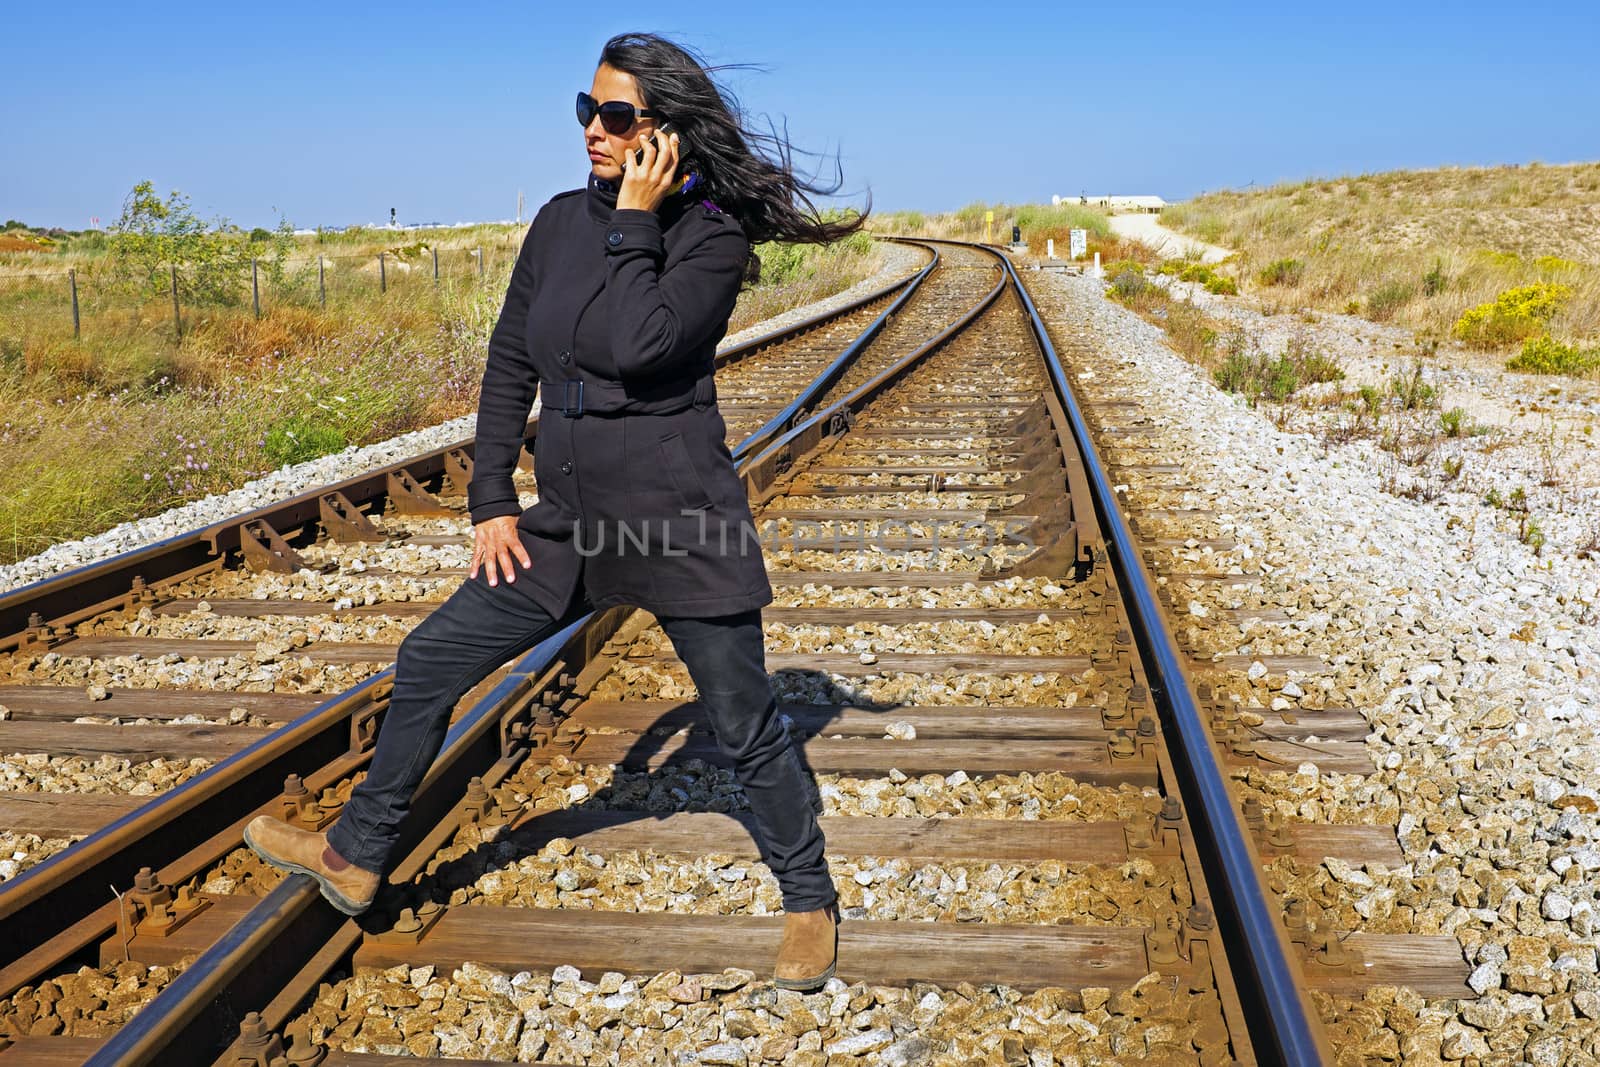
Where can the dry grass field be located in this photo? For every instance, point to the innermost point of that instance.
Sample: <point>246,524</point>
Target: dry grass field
<point>1422,248</point>
<point>129,420</point>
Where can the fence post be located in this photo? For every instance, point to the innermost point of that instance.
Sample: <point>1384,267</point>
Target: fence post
<point>436,264</point>
<point>383,278</point>
<point>177,317</point>
<point>255,287</point>
<point>322,288</point>
<point>480,261</point>
<point>72,280</point>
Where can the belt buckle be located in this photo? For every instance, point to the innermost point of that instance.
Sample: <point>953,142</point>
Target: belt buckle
<point>571,407</point>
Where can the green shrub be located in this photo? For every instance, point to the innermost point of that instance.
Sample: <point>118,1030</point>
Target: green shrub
<point>214,262</point>
<point>1190,331</point>
<point>1222,285</point>
<point>1546,355</point>
<point>857,244</point>
<point>12,352</point>
<point>1530,534</point>
<point>1206,225</point>
<point>973,213</point>
<point>1114,269</point>
<point>1434,282</point>
<point>1238,374</point>
<point>1127,285</point>
<point>1316,367</point>
<point>1196,272</point>
<point>782,263</point>
<point>1032,218</point>
<point>1515,315</point>
<point>1385,300</point>
<point>1453,422</point>
<point>297,439</point>
<point>1412,389</point>
<point>89,241</point>
<point>1258,376</point>
<point>1282,272</point>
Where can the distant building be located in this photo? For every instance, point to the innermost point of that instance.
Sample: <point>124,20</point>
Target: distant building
<point>1151,204</point>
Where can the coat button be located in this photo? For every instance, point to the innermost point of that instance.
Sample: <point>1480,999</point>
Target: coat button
<point>614,238</point>
<point>566,466</point>
<point>565,358</point>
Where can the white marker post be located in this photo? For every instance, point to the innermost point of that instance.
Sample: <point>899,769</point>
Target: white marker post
<point>1098,273</point>
<point>1050,248</point>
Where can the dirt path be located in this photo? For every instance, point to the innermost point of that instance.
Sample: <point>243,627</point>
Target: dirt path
<point>1147,230</point>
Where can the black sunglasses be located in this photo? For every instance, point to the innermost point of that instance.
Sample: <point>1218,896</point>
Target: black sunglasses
<point>617,116</point>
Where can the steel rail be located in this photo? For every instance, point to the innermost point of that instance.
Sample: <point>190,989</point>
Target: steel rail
<point>784,420</point>
<point>53,897</point>
<point>261,951</point>
<point>1284,1026</point>
<point>835,418</point>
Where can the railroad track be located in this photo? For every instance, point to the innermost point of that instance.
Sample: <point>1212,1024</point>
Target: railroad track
<point>250,654</point>
<point>205,669</point>
<point>1024,791</point>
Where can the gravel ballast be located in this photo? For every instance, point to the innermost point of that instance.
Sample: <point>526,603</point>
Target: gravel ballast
<point>1472,653</point>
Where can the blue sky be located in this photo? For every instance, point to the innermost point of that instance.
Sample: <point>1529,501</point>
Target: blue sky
<point>331,113</point>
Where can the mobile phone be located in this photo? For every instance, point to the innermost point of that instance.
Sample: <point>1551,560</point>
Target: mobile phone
<point>664,128</point>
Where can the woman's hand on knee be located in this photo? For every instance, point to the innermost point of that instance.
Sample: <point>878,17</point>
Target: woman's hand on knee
<point>494,543</point>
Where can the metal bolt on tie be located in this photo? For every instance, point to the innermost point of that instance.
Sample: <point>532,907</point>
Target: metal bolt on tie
<point>1331,952</point>
<point>1254,816</point>
<point>1163,947</point>
<point>1297,921</point>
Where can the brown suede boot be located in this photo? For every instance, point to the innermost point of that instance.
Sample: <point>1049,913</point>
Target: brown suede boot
<point>347,887</point>
<point>809,950</point>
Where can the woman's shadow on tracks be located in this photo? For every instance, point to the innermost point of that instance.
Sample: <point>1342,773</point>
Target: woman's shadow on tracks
<point>678,739</point>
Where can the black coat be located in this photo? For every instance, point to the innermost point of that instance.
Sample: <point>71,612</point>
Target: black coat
<point>615,315</point>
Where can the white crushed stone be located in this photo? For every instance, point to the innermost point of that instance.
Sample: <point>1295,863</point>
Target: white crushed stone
<point>1474,657</point>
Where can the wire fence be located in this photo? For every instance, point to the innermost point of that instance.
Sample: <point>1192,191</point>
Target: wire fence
<point>72,300</point>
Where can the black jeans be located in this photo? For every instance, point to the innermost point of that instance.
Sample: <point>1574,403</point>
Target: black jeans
<point>482,626</point>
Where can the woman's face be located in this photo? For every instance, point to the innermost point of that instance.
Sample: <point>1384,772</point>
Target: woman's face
<point>606,149</point>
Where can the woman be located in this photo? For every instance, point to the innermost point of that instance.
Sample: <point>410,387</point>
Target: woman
<point>616,303</point>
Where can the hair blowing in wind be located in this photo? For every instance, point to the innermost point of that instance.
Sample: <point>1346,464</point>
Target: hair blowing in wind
<point>759,188</point>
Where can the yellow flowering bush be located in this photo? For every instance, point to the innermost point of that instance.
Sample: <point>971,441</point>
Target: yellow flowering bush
<point>1546,355</point>
<point>1514,315</point>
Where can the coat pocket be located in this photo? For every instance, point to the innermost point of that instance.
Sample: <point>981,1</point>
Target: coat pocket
<point>678,463</point>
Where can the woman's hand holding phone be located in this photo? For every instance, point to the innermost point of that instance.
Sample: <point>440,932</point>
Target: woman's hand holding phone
<point>649,172</point>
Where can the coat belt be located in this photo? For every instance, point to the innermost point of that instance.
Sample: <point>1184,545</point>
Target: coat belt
<point>572,404</point>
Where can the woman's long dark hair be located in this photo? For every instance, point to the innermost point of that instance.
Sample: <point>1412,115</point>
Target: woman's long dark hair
<point>758,190</point>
